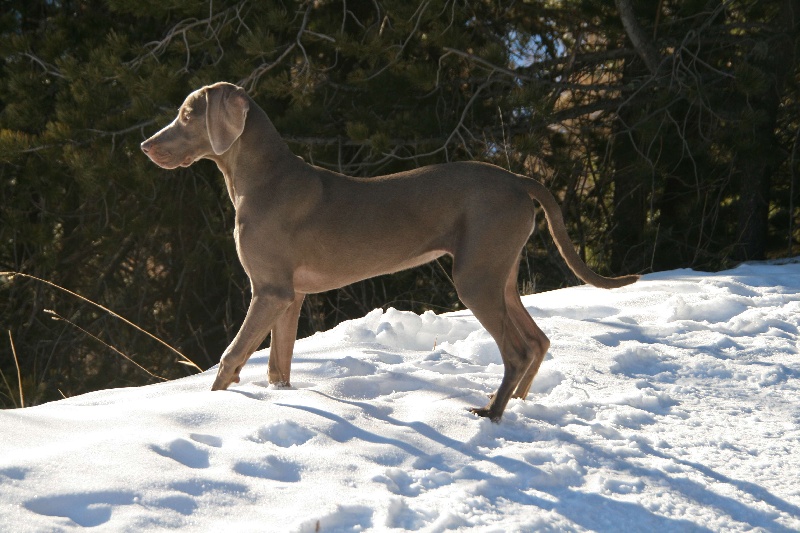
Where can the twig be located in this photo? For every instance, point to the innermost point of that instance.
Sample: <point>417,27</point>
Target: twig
<point>48,69</point>
<point>418,14</point>
<point>156,48</point>
<point>8,388</point>
<point>19,374</point>
<point>505,143</point>
<point>249,83</point>
<point>487,64</point>
<point>56,316</point>
<point>123,131</point>
<point>184,359</point>
<point>453,283</point>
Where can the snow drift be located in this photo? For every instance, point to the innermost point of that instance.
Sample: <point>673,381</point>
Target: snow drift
<point>668,405</point>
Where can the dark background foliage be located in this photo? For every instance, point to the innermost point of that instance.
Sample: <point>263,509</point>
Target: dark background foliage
<point>668,130</point>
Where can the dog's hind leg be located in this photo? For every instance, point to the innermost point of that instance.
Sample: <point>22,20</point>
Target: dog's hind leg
<point>535,339</point>
<point>483,294</point>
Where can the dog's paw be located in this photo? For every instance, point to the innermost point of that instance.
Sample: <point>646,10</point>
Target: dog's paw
<point>223,381</point>
<point>485,412</point>
<point>219,385</point>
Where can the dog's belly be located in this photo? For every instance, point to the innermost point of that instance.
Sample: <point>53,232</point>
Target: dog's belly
<point>310,279</point>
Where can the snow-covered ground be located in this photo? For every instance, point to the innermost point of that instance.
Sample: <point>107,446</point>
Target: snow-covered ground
<point>668,405</point>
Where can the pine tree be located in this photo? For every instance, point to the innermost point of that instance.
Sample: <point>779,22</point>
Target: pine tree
<point>671,145</point>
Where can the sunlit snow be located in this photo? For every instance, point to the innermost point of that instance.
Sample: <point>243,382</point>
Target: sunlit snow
<point>668,405</point>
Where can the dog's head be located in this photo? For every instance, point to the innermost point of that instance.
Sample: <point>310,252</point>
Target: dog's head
<point>208,123</point>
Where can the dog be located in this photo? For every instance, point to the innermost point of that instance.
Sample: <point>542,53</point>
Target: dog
<point>301,229</point>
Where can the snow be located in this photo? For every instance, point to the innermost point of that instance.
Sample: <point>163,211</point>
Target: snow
<point>668,405</point>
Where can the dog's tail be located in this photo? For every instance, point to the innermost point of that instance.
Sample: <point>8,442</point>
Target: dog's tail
<point>555,220</point>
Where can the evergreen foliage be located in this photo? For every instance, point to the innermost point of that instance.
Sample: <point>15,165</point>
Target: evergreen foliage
<point>686,161</point>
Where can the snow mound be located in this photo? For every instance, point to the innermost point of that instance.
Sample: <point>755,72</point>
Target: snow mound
<point>667,405</point>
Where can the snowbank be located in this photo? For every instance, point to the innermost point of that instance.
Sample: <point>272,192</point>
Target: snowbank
<point>668,405</point>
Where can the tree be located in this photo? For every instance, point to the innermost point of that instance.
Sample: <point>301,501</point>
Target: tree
<point>715,83</point>
<point>673,117</point>
<point>668,130</point>
<point>360,87</point>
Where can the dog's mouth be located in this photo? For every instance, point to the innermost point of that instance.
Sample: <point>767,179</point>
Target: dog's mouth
<point>164,163</point>
<point>168,162</point>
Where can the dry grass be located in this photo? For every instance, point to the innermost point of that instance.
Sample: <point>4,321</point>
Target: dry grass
<point>18,399</point>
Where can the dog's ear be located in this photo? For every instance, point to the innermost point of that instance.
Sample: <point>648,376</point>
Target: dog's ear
<point>226,112</point>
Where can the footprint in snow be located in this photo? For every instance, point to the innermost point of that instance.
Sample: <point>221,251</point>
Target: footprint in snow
<point>271,467</point>
<point>208,440</point>
<point>283,433</point>
<point>85,509</point>
<point>399,482</point>
<point>176,502</point>
<point>183,452</point>
<point>643,362</point>
<point>401,516</point>
<point>14,473</point>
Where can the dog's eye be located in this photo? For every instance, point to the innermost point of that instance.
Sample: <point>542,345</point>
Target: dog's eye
<point>186,114</point>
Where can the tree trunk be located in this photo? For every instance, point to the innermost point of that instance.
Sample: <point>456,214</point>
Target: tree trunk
<point>756,164</point>
<point>630,200</point>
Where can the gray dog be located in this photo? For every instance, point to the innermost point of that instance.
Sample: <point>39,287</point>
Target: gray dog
<point>301,229</point>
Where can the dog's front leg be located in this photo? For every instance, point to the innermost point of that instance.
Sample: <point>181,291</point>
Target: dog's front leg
<point>267,305</point>
<point>281,345</point>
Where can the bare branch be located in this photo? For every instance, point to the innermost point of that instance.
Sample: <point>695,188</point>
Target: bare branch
<point>518,75</point>
<point>182,29</point>
<point>123,131</point>
<point>46,67</point>
<point>251,80</point>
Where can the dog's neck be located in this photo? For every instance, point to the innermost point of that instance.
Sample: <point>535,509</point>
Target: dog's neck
<point>247,170</point>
